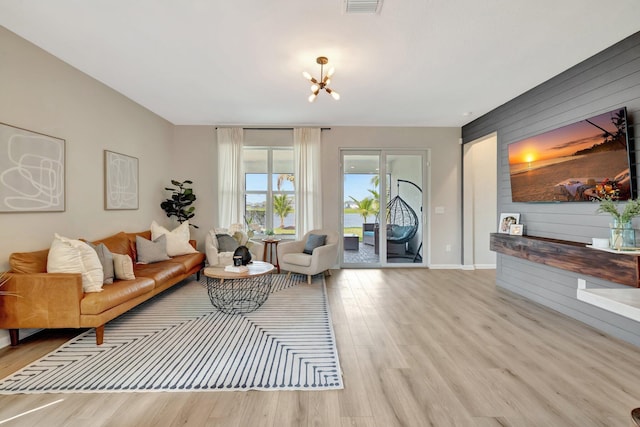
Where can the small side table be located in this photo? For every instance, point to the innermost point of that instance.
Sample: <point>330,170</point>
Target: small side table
<point>271,251</point>
<point>351,242</point>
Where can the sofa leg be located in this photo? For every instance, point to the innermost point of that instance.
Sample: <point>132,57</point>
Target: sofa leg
<point>14,336</point>
<point>328,272</point>
<point>198,275</point>
<point>309,279</point>
<point>99,334</point>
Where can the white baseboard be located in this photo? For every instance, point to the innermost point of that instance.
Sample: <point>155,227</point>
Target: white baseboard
<point>445,266</point>
<point>468,267</point>
<point>485,266</point>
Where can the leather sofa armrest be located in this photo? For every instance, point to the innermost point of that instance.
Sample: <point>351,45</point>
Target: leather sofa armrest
<point>194,243</point>
<point>41,300</point>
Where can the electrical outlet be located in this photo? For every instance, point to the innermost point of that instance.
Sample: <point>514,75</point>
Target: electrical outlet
<point>447,248</point>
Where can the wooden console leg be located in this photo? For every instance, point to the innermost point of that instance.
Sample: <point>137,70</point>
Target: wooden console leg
<point>14,336</point>
<point>99,334</point>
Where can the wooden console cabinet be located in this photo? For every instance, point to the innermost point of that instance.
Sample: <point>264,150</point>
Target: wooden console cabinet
<point>622,268</point>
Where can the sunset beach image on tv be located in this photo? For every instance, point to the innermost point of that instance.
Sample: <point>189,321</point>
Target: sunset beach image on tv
<point>584,161</point>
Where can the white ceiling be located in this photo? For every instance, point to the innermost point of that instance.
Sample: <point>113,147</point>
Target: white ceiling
<point>226,62</point>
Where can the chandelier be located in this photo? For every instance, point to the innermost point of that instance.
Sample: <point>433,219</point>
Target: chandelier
<point>318,85</point>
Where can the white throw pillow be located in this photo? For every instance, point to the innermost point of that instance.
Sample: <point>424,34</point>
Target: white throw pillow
<point>177,239</point>
<point>123,267</point>
<point>74,256</point>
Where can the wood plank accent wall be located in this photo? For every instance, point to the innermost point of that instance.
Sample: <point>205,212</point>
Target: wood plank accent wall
<point>601,83</point>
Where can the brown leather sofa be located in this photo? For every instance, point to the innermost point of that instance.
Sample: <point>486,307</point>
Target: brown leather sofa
<point>38,299</point>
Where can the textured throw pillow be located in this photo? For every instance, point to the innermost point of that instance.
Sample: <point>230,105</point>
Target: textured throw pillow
<point>106,259</point>
<point>151,251</point>
<point>177,239</point>
<point>123,267</point>
<point>74,256</point>
<point>226,243</point>
<point>314,241</point>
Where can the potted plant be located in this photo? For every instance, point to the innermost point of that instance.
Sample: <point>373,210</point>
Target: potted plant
<point>179,205</point>
<point>622,232</point>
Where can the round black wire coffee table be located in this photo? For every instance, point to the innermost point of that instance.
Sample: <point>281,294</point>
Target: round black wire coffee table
<point>239,293</point>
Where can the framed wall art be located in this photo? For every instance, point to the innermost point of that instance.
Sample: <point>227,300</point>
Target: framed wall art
<point>32,171</point>
<point>120,181</point>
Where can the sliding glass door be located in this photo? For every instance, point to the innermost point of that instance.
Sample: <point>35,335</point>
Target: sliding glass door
<point>405,219</point>
<point>361,197</point>
<point>393,235</point>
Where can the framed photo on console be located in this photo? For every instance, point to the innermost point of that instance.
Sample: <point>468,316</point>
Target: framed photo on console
<point>506,220</point>
<point>516,229</point>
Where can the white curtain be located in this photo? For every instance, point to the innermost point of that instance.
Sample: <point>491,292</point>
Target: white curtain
<point>230,182</point>
<point>308,184</point>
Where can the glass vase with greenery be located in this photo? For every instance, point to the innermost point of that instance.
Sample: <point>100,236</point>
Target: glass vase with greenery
<point>622,232</point>
<point>630,211</point>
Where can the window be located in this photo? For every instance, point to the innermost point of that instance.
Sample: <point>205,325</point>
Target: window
<point>269,190</point>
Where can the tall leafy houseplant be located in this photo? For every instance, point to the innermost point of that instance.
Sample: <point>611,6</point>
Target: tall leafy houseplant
<point>179,205</point>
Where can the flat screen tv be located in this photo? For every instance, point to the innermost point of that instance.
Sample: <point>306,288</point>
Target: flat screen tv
<point>583,161</point>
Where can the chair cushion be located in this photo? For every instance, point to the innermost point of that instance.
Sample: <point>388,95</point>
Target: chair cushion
<point>75,256</point>
<point>123,266</point>
<point>226,243</point>
<point>177,239</point>
<point>314,241</point>
<point>151,251</point>
<point>400,232</point>
<point>301,259</point>
<point>106,259</point>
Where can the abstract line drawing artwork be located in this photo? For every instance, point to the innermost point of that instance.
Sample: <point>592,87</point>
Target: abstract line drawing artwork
<point>31,171</point>
<point>120,181</point>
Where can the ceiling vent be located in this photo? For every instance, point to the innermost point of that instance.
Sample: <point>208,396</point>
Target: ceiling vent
<point>361,6</point>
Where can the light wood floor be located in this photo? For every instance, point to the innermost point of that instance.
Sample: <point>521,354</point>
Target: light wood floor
<point>417,348</point>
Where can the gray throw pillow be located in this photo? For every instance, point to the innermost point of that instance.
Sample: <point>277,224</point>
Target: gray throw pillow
<point>314,241</point>
<point>151,251</point>
<point>106,259</point>
<point>226,243</point>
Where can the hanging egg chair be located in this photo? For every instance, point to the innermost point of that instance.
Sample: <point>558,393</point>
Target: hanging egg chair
<point>402,221</point>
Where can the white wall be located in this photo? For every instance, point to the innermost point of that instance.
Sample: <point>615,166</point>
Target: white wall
<point>43,94</point>
<point>480,201</point>
<point>194,157</point>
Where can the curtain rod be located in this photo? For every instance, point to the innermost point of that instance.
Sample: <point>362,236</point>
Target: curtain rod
<point>273,128</point>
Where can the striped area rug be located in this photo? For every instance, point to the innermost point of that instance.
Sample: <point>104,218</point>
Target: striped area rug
<point>178,341</point>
